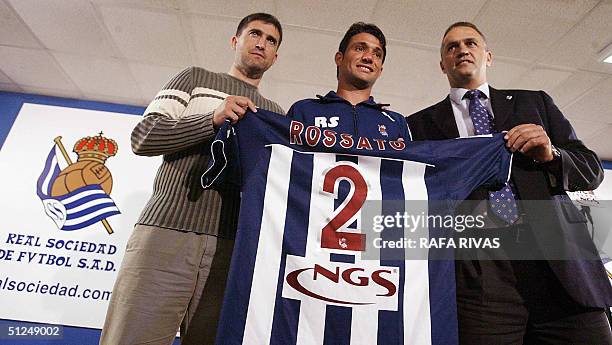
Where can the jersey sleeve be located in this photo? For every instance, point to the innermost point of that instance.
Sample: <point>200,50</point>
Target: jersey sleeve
<point>224,165</point>
<point>464,164</point>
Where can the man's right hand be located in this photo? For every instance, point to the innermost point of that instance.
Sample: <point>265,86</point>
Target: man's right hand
<point>233,109</point>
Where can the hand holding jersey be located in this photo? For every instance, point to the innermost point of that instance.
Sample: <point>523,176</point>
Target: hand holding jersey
<point>233,109</point>
<point>531,140</point>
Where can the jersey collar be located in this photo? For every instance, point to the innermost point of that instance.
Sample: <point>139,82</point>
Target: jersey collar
<point>332,97</point>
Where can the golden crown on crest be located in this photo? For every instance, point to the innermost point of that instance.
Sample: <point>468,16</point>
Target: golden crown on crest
<point>97,148</point>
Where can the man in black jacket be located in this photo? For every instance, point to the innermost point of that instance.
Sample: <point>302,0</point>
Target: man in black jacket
<point>558,300</point>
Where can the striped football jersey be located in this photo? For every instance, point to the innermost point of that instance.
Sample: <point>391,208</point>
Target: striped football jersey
<point>299,275</point>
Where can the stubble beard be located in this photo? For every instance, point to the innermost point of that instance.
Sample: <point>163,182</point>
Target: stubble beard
<point>252,70</point>
<point>254,74</point>
<point>359,83</point>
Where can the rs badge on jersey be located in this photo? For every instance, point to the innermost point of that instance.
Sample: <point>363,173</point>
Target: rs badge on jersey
<point>326,122</point>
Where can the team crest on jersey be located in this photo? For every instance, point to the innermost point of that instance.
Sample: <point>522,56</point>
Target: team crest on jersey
<point>382,129</point>
<point>78,195</point>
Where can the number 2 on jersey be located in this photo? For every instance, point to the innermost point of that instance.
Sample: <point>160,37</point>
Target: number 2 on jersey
<point>330,237</point>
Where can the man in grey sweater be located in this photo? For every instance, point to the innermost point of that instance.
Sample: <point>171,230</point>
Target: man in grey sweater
<point>176,261</point>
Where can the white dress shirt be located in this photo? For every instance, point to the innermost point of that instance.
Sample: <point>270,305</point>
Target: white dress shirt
<point>461,109</point>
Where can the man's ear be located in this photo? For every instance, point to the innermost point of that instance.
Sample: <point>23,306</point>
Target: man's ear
<point>338,58</point>
<point>489,58</point>
<point>442,67</point>
<point>234,41</point>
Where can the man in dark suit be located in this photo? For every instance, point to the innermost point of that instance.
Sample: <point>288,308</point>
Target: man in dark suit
<point>560,298</point>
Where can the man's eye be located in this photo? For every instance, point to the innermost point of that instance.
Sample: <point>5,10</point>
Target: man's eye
<point>271,42</point>
<point>254,34</point>
<point>359,48</point>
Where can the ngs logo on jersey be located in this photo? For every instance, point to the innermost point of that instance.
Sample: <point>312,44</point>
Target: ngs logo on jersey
<point>344,284</point>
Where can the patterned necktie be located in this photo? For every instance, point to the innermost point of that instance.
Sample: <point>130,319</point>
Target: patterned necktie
<point>503,202</point>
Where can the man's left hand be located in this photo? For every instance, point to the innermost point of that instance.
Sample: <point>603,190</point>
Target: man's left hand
<point>531,140</point>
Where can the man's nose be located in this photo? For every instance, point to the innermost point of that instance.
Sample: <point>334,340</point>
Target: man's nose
<point>261,43</point>
<point>367,57</point>
<point>463,50</point>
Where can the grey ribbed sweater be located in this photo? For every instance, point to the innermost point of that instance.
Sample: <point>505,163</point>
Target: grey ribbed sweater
<point>178,125</point>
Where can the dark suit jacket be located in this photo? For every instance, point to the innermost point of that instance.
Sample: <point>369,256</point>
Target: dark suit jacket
<point>584,280</point>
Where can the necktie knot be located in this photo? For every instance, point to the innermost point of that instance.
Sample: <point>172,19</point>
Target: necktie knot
<point>474,94</point>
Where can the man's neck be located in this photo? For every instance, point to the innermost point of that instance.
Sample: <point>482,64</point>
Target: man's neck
<point>238,74</point>
<point>468,84</point>
<point>484,87</point>
<point>354,96</point>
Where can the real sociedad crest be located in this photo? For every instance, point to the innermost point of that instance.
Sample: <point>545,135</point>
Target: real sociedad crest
<point>382,129</point>
<point>78,195</point>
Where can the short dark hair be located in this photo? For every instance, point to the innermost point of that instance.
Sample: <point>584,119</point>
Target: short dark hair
<point>467,25</point>
<point>264,17</point>
<point>361,27</point>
